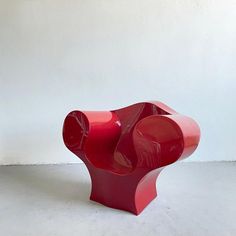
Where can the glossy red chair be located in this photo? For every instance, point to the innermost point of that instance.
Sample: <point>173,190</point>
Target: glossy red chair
<point>126,149</point>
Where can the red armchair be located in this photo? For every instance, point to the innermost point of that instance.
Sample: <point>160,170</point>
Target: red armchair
<point>126,149</point>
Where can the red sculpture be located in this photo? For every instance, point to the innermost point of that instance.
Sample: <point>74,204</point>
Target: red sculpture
<point>126,149</point>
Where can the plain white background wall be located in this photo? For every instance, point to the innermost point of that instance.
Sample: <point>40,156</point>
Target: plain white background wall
<point>60,55</point>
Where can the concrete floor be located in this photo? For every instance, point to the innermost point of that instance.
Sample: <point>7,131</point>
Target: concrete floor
<point>194,199</point>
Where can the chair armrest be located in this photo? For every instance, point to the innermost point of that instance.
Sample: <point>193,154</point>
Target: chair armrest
<point>160,140</point>
<point>91,133</point>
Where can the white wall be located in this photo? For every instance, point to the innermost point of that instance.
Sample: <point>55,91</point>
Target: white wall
<point>59,55</point>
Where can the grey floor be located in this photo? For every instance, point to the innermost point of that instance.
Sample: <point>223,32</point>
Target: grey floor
<point>194,199</point>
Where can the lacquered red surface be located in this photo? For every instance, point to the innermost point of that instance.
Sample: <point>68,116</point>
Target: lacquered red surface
<point>126,149</point>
